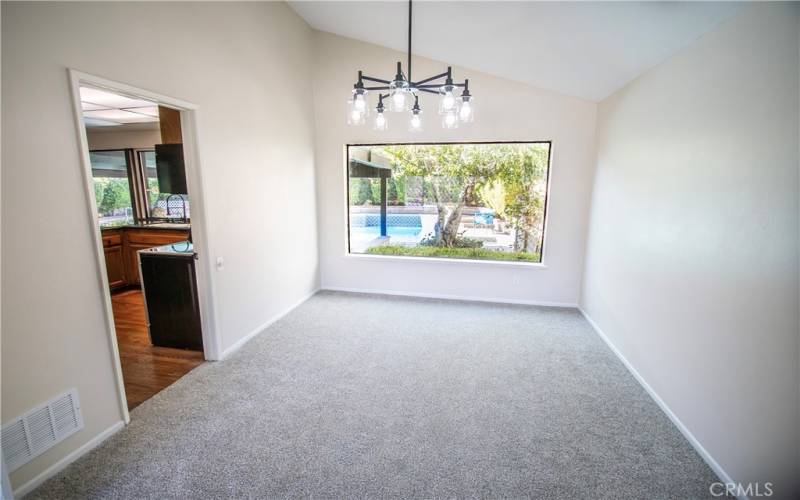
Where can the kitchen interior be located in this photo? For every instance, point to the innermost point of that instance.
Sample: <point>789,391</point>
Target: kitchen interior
<point>143,209</point>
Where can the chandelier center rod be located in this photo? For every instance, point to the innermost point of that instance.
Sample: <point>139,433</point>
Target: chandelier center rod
<point>409,41</point>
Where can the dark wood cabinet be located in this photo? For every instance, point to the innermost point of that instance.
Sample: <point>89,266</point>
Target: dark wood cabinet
<point>170,290</point>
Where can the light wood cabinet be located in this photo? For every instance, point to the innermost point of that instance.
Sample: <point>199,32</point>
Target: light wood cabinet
<point>115,266</point>
<point>121,247</point>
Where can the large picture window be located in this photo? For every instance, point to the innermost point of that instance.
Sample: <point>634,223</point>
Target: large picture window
<point>479,201</point>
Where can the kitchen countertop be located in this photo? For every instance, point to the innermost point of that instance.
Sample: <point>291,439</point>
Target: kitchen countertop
<point>173,226</point>
<point>179,248</point>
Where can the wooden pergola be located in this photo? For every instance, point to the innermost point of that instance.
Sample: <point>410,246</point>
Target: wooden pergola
<point>368,170</point>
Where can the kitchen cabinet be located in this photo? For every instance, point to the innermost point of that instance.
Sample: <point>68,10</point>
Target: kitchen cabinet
<point>170,290</point>
<point>122,244</point>
<point>115,258</point>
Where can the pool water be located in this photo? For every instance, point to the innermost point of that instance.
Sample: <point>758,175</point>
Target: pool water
<point>397,234</point>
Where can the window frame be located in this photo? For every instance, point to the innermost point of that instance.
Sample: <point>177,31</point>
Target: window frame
<point>548,177</point>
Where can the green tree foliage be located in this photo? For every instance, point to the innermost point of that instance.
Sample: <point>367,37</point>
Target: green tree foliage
<point>111,194</point>
<point>391,191</point>
<point>458,175</point>
<point>360,191</point>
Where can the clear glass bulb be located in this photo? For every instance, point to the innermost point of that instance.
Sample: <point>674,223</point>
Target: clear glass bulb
<point>399,100</point>
<point>450,120</point>
<point>466,111</point>
<point>380,121</point>
<point>360,103</point>
<point>448,101</point>
<point>354,115</point>
<point>416,122</point>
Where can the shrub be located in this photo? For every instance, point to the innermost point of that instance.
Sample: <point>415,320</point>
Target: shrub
<point>454,253</point>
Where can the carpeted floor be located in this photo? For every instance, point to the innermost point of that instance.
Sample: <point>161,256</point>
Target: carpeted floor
<point>354,396</point>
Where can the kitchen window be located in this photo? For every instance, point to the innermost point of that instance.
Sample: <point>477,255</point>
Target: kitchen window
<point>112,187</point>
<point>161,205</point>
<point>475,201</point>
<point>126,189</point>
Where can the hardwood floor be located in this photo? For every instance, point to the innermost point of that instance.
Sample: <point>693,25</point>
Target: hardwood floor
<point>146,369</point>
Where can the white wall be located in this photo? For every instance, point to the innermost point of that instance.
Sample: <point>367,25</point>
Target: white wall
<point>122,139</point>
<point>505,111</point>
<point>245,65</point>
<point>692,258</point>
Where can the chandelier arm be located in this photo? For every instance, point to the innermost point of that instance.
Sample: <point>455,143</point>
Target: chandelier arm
<point>377,88</point>
<point>441,75</point>
<point>430,91</point>
<point>376,80</point>
<point>436,85</point>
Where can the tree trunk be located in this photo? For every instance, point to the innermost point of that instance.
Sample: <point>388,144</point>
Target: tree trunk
<point>441,210</point>
<point>450,231</point>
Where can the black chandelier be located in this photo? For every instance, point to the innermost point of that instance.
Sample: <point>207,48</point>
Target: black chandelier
<point>402,90</point>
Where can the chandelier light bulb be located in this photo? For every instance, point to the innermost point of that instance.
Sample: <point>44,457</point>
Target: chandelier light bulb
<point>448,101</point>
<point>465,113</point>
<point>380,121</point>
<point>398,100</point>
<point>360,103</point>
<point>355,116</point>
<point>450,120</point>
<point>416,122</point>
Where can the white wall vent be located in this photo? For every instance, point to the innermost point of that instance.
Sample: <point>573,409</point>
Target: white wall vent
<point>30,435</point>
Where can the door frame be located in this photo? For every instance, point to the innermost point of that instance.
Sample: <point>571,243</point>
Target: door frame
<point>204,269</point>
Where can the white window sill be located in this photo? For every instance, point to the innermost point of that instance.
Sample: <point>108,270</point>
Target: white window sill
<point>441,260</point>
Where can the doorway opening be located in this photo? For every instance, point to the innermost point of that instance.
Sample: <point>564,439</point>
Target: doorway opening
<point>146,213</point>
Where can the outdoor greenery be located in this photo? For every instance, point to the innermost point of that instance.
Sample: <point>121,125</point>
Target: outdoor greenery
<point>510,178</point>
<point>112,194</point>
<point>454,253</point>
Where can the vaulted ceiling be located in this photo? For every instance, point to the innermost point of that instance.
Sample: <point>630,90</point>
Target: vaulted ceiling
<point>583,49</point>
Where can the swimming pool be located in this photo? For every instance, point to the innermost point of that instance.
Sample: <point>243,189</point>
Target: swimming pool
<point>398,234</point>
<point>402,229</point>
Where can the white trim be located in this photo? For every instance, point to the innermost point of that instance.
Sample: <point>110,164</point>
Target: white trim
<point>68,459</point>
<point>445,260</point>
<point>208,316</point>
<point>706,456</point>
<point>242,341</point>
<point>442,296</point>
<point>75,79</point>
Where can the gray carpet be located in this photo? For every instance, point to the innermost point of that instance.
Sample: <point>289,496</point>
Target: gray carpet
<point>354,396</point>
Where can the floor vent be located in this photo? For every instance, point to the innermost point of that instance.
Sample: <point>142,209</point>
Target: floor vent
<point>30,435</point>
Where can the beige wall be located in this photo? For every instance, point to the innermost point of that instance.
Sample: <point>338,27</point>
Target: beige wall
<point>114,139</point>
<point>505,111</point>
<point>246,66</point>
<point>691,266</point>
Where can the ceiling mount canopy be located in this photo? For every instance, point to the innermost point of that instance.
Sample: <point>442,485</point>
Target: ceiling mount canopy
<point>403,95</point>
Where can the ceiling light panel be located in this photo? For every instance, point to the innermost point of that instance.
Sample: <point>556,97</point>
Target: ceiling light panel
<point>110,99</point>
<point>96,122</point>
<point>148,110</point>
<point>119,115</point>
<point>87,106</point>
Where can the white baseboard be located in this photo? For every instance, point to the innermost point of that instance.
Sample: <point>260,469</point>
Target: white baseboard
<point>495,300</point>
<point>68,459</point>
<point>242,341</point>
<point>718,470</point>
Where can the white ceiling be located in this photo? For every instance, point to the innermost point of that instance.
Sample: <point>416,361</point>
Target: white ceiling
<point>107,109</point>
<point>587,50</point>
